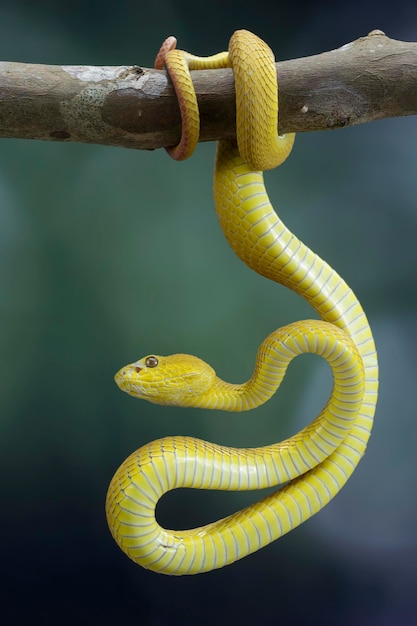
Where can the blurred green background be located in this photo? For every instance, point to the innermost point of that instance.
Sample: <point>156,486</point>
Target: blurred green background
<point>108,254</point>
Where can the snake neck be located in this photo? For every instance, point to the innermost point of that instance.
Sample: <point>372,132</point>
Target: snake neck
<point>274,356</point>
<point>236,397</point>
<point>227,396</point>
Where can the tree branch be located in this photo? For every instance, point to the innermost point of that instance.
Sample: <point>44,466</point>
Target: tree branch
<point>133,107</point>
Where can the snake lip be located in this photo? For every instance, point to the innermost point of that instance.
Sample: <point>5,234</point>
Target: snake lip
<point>120,377</point>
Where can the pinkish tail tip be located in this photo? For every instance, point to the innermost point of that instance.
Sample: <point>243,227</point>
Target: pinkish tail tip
<point>169,44</point>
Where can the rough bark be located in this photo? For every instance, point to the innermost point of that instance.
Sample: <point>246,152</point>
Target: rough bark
<point>134,107</point>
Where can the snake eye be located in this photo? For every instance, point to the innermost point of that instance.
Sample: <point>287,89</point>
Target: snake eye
<point>151,361</point>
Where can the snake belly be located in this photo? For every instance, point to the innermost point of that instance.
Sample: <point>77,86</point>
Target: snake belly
<point>265,244</point>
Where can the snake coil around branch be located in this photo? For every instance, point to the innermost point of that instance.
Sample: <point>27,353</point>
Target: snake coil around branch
<point>371,78</point>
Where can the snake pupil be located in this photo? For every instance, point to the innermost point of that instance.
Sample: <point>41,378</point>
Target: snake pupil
<point>151,361</point>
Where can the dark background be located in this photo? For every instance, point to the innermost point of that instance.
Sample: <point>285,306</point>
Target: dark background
<point>108,254</point>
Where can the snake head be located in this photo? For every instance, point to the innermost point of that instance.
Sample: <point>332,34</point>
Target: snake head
<point>175,380</point>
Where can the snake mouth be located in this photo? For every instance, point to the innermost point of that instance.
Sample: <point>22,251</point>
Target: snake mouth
<point>122,379</point>
<point>125,383</point>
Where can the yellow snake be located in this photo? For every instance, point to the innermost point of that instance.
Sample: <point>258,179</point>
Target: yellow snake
<point>315,463</point>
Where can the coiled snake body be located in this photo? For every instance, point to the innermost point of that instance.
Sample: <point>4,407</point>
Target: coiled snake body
<point>314,463</point>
